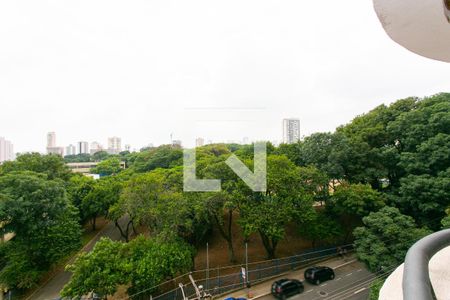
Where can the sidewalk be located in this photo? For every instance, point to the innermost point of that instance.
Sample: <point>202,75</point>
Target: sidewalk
<point>263,289</point>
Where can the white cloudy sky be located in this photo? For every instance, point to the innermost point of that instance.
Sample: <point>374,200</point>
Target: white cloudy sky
<point>223,70</point>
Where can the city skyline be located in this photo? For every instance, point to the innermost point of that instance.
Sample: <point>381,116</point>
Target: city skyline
<point>114,145</point>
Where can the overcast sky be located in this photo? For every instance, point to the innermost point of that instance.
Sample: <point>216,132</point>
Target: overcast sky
<point>223,70</point>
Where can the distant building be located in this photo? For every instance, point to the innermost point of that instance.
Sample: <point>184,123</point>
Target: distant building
<point>128,148</point>
<point>85,167</point>
<point>245,141</point>
<point>95,147</point>
<point>291,131</point>
<point>51,145</point>
<point>114,145</point>
<point>6,150</point>
<point>82,148</point>
<point>199,142</point>
<point>176,143</point>
<point>55,150</point>
<point>51,140</point>
<point>71,150</point>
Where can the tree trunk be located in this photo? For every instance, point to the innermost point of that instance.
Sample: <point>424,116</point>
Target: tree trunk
<point>230,236</point>
<point>270,249</point>
<point>134,229</point>
<point>93,223</point>
<point>227,235</point>
<point>123,233</point>
<point>231,254</point>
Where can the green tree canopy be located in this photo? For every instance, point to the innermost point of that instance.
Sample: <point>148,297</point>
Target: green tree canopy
<point>45,224</point>
<point>103,194</point>
<point>141,263</point>
<point>351,202</point>
<point>52,165</point>
<point>165,156</point>
<point>110,166</point>
<point>385,238</point>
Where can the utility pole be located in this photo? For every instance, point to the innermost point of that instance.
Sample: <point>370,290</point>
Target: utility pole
<point>246,261</point>
<point>207,266</point>
<point>246,271</point>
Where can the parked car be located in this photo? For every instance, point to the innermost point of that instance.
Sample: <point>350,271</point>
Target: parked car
<point>284,288</point>
<point>317,275</point>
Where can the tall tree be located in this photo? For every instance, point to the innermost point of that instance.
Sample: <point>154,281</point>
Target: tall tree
<point>101,197</point>
<point>78,188</point>
<point>110,166</point>
<point>222,206</point>
<point>270,212</point>
<point>102,270</point>
<point>320,227</point>
<point>45,224</point>
<point>52,165</point>
<point>385,238</point>
<point>139,264</point>
<point>351,202</point>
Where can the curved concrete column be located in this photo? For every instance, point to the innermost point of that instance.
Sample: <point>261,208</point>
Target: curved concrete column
<point>421,26</point>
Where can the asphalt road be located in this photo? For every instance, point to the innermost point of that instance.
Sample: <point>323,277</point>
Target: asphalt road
<point>350,283</point>
<point>51,289</point>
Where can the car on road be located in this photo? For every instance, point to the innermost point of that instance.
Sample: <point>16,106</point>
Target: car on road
<point>317,275</point>
<point>285,288</point>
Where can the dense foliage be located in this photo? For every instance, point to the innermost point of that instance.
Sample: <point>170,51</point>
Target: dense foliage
<point>141,264</point>
<point>386,237</point>
<point>44,223</point>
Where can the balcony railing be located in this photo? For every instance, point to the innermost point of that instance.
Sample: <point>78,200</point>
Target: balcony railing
<point>416,277</point>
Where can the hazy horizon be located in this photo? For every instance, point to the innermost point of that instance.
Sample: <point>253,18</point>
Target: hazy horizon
<point>142,71</point>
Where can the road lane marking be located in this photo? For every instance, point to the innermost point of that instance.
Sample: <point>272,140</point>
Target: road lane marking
<point>359,291</point>
<point>345,264</point>
<point>324,284</point>
<point>308,291</point>
<point>348,274</point>
<point>359,270</point>
<point>338,279</point>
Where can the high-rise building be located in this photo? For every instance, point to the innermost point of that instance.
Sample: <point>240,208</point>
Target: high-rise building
<point>82,148</point>
<point>71,150</point>
<point>51,145</point>
<point>96,147</point>
<point>128,147</point>
<point>114,145</point>
<point>291,131</point>
<point>6,150</point>
<point>199,142</point>
<point>51,140</point>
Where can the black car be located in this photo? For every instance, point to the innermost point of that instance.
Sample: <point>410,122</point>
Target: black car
<point>317,275</point>
<point>284,288</point>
